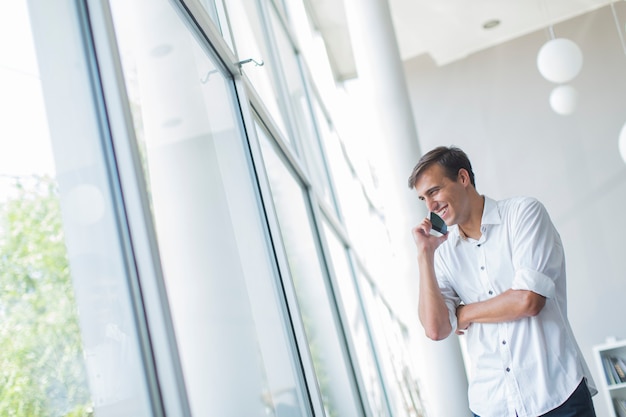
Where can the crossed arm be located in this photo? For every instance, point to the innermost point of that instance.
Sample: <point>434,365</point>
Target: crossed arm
<point>533,230</point>
<point>511,305</point>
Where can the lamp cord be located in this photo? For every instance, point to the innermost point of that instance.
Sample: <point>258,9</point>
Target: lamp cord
<point>546,13</point>
<point>619,29</point>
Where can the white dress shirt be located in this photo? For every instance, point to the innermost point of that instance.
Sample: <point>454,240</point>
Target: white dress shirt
<point>528,366</point>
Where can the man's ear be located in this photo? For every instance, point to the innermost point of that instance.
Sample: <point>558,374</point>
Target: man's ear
<point>463,176</point>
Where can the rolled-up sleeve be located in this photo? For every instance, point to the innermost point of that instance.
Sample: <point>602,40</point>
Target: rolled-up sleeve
<point>527,279</point>
<point>537,250</point>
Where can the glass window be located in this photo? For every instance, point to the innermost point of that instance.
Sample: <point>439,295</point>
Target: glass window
<point>349,191</point>
<point>312,49</point>
<point>292,81</point>
<point>280,5</point>
<point>356,322</point>
<point>69,342</point>
<point>391,339</point>
<point>307,130</point>
<point>364,224</point>
<point>217,12</point>
<point>234,341</point>
<point>321,162</point>
<point>251,42</point>
<point>300,243</point>
<point>42,368</point>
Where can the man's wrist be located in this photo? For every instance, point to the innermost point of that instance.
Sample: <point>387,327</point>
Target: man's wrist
<point>426,256</point>
<point>460,314</point>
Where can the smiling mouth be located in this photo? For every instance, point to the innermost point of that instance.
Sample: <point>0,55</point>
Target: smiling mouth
<point>441,213</point>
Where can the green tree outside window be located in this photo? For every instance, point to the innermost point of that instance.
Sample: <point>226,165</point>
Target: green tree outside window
<point>42,370</point>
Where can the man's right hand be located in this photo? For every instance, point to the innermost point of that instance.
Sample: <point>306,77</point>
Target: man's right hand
<point>425,242</point>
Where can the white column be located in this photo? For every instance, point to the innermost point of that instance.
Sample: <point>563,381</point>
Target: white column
<point>381,73</point>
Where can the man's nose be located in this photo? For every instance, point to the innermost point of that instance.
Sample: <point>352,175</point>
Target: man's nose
<point>430,204</point>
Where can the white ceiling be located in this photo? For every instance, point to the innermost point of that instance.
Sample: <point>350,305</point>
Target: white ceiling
<point>447,30</point>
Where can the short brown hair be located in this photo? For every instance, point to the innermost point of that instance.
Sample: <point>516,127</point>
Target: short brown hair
<point>452,159</point>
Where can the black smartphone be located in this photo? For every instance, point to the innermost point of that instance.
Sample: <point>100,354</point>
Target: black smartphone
<point>439,225</point>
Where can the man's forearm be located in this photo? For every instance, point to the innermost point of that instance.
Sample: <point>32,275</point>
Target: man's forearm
<point>433,312</point>
<point>511,305</point>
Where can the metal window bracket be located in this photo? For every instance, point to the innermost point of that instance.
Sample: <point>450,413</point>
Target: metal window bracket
<point>247,61</point>
<point>240,64</point>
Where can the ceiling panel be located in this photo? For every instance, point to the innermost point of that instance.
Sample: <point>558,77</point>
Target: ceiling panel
<point>449,30</point>
<point>446,30</point>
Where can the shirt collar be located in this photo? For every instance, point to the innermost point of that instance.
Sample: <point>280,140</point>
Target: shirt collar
<point>491,215</point>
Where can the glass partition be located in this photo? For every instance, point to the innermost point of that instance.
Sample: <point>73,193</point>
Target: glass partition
<point>235,342</point>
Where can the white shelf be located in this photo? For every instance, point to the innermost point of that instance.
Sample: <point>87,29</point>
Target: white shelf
<point>610,391</point>
<point>615,387</point>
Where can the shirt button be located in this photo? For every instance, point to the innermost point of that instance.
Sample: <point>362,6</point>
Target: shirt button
<point>482,268</point>
<point>478,245</point>
<point>504,342</point>
<point>490,292</point>
<point>508,369</point>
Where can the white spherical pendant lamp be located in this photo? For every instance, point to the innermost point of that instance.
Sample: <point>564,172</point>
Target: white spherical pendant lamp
<point>622,142</point>
<point>559,60</point>
<point>563,99</point>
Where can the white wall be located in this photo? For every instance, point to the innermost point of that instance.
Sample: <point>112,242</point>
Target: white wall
<point>494,105</point>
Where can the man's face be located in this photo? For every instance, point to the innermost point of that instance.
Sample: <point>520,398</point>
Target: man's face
<point>442,195</point>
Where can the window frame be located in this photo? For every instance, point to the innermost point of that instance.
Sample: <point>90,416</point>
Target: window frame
<point>136,229</point>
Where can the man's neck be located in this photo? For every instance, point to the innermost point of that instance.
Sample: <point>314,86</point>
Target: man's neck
<point>471,227</point>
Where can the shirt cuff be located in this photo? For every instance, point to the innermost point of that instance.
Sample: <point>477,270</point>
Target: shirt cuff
<point>527,279</point>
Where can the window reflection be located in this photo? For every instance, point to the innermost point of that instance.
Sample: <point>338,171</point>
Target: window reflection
<point>321,327</point>
<point>235,345</point>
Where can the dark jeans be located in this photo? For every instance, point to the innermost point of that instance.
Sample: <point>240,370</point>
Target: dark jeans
<point>579,404</point>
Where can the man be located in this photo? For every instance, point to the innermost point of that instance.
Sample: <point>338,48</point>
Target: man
<point>498,276</point>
